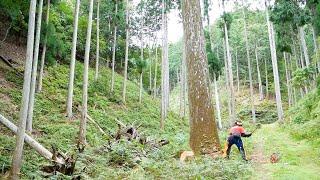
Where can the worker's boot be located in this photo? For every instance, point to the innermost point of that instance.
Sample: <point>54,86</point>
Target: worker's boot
<point>225,150</point>
<point>243,154</point>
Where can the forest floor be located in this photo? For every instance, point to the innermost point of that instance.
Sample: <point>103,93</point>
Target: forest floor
<point>298,159</point>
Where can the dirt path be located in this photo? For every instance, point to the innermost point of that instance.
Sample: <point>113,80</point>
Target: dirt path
<point>298,159</point>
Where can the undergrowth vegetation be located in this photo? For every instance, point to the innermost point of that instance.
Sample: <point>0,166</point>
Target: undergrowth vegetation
<point>128,159</point>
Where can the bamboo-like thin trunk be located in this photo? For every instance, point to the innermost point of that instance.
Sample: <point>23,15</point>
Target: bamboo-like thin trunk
<point>83,121</point>
<point>165,68</point>
<point>34,69</point>
<point>238,79</point>
<point>43,56</point>
<point>217,99</point>
<point>124,91</point>
<point>73,59</point>
<point>155,74</point>
<point>17,154</point>
<point>274,66</point>
<point>287,79</point>
<point>304,46</point>
<point>141,87</point>
<point>253,110</point>
<point>114,51</point>
<point>98,44</point>
<point>259,75</point>
<point>266,74</point>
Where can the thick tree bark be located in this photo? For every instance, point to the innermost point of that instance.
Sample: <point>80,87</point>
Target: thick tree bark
<point>29,140</point>
<point>98,44</point>
<point>114,51</point>
<point>165,67</point>
<point>17,154</point>
<point>73,59</point>
<point>124,90</point>
<point>203,131</point>
<point>83,121</point>
<point>217,99</point>
<point>34,69</point>
<point>43,56</point>
<point>274,66</point>
<point>253,109</point>
<point>259,75</point>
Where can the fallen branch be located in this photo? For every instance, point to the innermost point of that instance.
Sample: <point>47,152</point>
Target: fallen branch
<point>8,63</point>
<point>100,129</point>
<point>32,142</point>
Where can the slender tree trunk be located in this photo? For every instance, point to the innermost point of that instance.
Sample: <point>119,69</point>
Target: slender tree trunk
<point>165,68</point>
<point>34,69</point>
<point>253,110</point>
<point>43,56</point>
<point>304,46</point>
<point>114,51</point>
<point>141,87</point>
<point>287,79</point>
<point>259,75</point>
<point>275,67</point>
<point>83,122</point>
<point>227,82</point>
<point>230,74</point>
<point>155,74</point>
<point>98,44</point>
<point>17,154</point>
<point>217,98</point>
<point>238,80</point>
<point>315,45</point>
<point>150,68</point>
<point>266,74</point>
<point>203,131</point>
<point>126,55</point>
<point>73,59</point>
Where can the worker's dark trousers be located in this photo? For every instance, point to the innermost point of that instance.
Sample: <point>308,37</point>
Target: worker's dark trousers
<point>238,142</point>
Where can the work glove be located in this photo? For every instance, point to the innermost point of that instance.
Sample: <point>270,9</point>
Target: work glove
<point>246,134</point>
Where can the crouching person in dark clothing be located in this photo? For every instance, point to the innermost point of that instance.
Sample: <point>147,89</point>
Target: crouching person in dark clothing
<point>235,134</point>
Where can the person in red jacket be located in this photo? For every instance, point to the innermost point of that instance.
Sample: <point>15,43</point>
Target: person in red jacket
<point>235,134</point>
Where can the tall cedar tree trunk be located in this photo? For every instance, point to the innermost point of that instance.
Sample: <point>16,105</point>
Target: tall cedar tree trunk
<point>124,91</point>
<point>34,69</point>
<point>253,109</point>
<point>73,59</point>
<point>98,44</point>
<point>266,74</point>
<point>83,122</point>
<point>114,50</point>
<point>304,46</point>
<point>259,75</point>
<point>274,66</point>
<point>155,73</point>
<point>217,99</point>
<point>17,154</point>
<point>141,74</point>
<point>183,82</point>
<point>227,82</point>
<point>141,87</point>
<point>238,80</point>
<point>150,67</point>
<point>230,74</point>
<point>203,131</point>
<point>43,56</point>
<point>287,79</point>
<point>164,67</point>
<point>315,45</point>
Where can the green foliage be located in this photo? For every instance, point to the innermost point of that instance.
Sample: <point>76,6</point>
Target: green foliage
<point>303,76</point>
